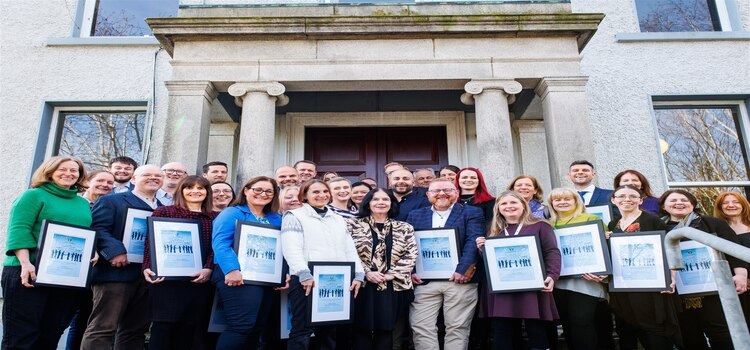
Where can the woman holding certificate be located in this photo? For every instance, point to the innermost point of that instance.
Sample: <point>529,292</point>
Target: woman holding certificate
<point>512,217</point>
<point>576,298</point>
<point>34,317</point>
<point>180,309</point>
<point>702,315</point>
<point>246,306</point>
<point>650,317</point>
<point>389,250</point>
<point>314,233</point>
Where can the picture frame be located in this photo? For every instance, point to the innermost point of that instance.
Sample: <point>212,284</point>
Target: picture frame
<point>514,264</point>
<point>638,262</point>
<point>331,302</point>
<point>583,249</point>
<point>697,278</point>
<point>258,248</point>
<point>217,323</point>
<point>175,247</point>
<point>134,234</point>
<point>603,211</point>
<point>63,256</point>
<point>438,253</point>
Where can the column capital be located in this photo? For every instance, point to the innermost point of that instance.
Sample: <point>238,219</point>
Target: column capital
<point>475,87</point>
<point>192,88</point>
<point>272,88</point>
<point>561,84</point>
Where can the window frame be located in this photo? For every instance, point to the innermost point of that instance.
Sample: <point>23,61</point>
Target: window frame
<point>723,17</point>
<point>85,22</point>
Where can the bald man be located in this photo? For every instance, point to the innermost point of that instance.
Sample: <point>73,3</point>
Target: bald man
<point>173,173</point>
<point>287,176</point>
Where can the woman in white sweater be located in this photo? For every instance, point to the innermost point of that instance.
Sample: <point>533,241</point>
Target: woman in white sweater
<point>314,233</point>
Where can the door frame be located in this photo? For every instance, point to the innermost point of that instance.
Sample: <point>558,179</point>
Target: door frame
<point>454,122</point>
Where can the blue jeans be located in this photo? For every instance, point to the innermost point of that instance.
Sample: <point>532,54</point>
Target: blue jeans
<point>246,309</point>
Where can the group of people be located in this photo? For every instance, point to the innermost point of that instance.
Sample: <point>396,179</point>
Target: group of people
<point>332,219</point>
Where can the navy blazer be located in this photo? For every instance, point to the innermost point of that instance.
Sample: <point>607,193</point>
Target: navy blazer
<point>600,196</point>
<point>414,200</point>
<point>108,220</point>
<point>468,220</point>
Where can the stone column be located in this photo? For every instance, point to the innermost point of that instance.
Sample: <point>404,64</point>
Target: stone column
<point>567,124</point>
<point>533,147</point>
<point>188,122</point>
<point>258,101</point>
<point>494,138</point>
<point>221,145</point>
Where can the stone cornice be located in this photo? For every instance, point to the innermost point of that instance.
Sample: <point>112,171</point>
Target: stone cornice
<point>189,88</point>
<point>272,88</point>
<point>561,84</point>
<point>169,30</point>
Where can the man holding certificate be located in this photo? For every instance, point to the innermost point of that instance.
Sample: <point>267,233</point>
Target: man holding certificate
<point>458,294</point>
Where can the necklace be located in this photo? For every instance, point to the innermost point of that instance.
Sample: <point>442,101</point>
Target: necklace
<point>261,219</point>
<point>518,229</point>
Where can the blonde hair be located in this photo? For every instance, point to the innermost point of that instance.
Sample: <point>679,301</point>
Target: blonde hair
<point>564,192</point>
<point>498,221</point>
<point>43,174</point>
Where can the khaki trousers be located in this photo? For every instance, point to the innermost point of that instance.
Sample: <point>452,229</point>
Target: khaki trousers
<point>458,302</point>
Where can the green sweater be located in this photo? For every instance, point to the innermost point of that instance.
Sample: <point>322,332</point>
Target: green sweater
<point>48,201</point>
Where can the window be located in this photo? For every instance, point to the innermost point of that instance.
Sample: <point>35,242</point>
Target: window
<point>682,15</point>
<point>96,136</point>
<point>703,147</point>
<point>123,18</point>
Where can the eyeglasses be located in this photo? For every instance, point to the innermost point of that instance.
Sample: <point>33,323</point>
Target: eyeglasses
<point>444,190</point>
<point>257,190</point>
<point>174,171</point>
<point>622,196</point>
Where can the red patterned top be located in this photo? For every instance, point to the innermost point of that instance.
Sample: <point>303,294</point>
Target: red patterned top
<point>206,227</point>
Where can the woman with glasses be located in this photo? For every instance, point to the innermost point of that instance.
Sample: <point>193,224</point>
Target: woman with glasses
<point>246,306</point>
<point>702,316</point>
<point>314,233</point>
<point>529,188</point>
<point>650,317</point>
<point>223,195</point>
<point>639,181</point>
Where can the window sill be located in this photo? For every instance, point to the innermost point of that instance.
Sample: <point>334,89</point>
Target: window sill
<point>681,36</point>
<point>117,41</point>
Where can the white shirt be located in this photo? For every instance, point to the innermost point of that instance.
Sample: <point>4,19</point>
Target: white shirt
<point>121,189</point>
<point>164,197</point>
<point>439,218</point>
<point>589,193</point>
<point>150,203</point>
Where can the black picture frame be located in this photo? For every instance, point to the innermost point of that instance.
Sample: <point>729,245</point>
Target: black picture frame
<point>63,255</point>
<point>632,259</point>
<point>171,254</point>
<point>259,268</point>
<point>603,211</point>
<point>575,267</point>
<point>340,308</point>
<point>439,268</point>
<point>504,272</point>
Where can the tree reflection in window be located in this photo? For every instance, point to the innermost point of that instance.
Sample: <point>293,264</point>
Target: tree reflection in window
<point>126,18</point>
<point>677,15</point>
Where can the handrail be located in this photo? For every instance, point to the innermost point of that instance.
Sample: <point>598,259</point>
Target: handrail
<point>730,303</point>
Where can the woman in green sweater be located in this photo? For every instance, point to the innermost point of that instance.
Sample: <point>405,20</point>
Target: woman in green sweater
<point>34,317</point>
<point>576,298</point>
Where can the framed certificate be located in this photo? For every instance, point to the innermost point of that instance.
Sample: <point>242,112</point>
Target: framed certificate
<point>438,253</point>
<point>134,235</point>
<point>697,277</point>
<point>514,264</point>
<point>258,248</point>
<point>217,323</point>
<point>603,211</point>
<point>330,301</point>
<point>584,249</point>
<point>64,253</point>
<point>175,247</point>
<point>638,262</point>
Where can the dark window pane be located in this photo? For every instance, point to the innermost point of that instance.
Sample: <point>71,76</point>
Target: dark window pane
<point>126,17</point>
<point>97,137</point>
<point>677,15</point>
<point>707,195</point>
<point>702,144</point>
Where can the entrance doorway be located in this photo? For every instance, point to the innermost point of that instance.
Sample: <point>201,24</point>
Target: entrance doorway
<point>360,152</point>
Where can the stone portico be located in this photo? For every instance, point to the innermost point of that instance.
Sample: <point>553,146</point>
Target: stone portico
<point>517,64</point>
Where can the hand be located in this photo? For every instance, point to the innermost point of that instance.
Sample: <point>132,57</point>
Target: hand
<point>671,285</point>
<point>740,283</point>
<point>203,276</point>
<point>120,261</point>
<point>308,285</point>
<point>95,259</point>
<point>233,278</point>
<point>375,277</point>
<point>480,242</point>
<point>458,278</point>
<point>549,285</point>
<point>28,274</point>
<point>286,286</point>
<point>148,275</point>
<point>607,234</point>
<point>593,278</point>
<point>415,279</point>
<point>389,276</point>
<point>355,287</point>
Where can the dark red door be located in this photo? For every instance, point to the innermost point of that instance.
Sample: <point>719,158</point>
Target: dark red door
<point>357,153</point>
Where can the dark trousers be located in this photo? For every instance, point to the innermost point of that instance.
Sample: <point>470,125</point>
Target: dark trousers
<point>366,339</point>
<point>246,310</point>
<point>577,315</point>
<point>504,335</point>
<point>651,339</point>
<point>171,335</point>
<point>80,320</point>
<point>299,335</point>
<point>708,320</point>
<point>34,318</point>
<point>120,315</point>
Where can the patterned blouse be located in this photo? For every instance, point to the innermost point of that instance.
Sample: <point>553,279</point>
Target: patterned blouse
<point>403,251</point>
<point>205,227</point>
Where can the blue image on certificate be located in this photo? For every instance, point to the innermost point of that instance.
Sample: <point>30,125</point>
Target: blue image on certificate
<point>638,262</point>
<point>514,263</point>
<point>697,266</point>
<point>436,254</point>
<point>260,253</point>
<point>331,293</point>
<point>66,255</point>
<point>577,250</point>
<point>177,249</point>
<point>137,236</point>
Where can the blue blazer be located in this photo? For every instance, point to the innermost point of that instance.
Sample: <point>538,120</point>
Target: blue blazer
<point>600,196</point>
<point>468,220</point>
<point>108,220</point>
